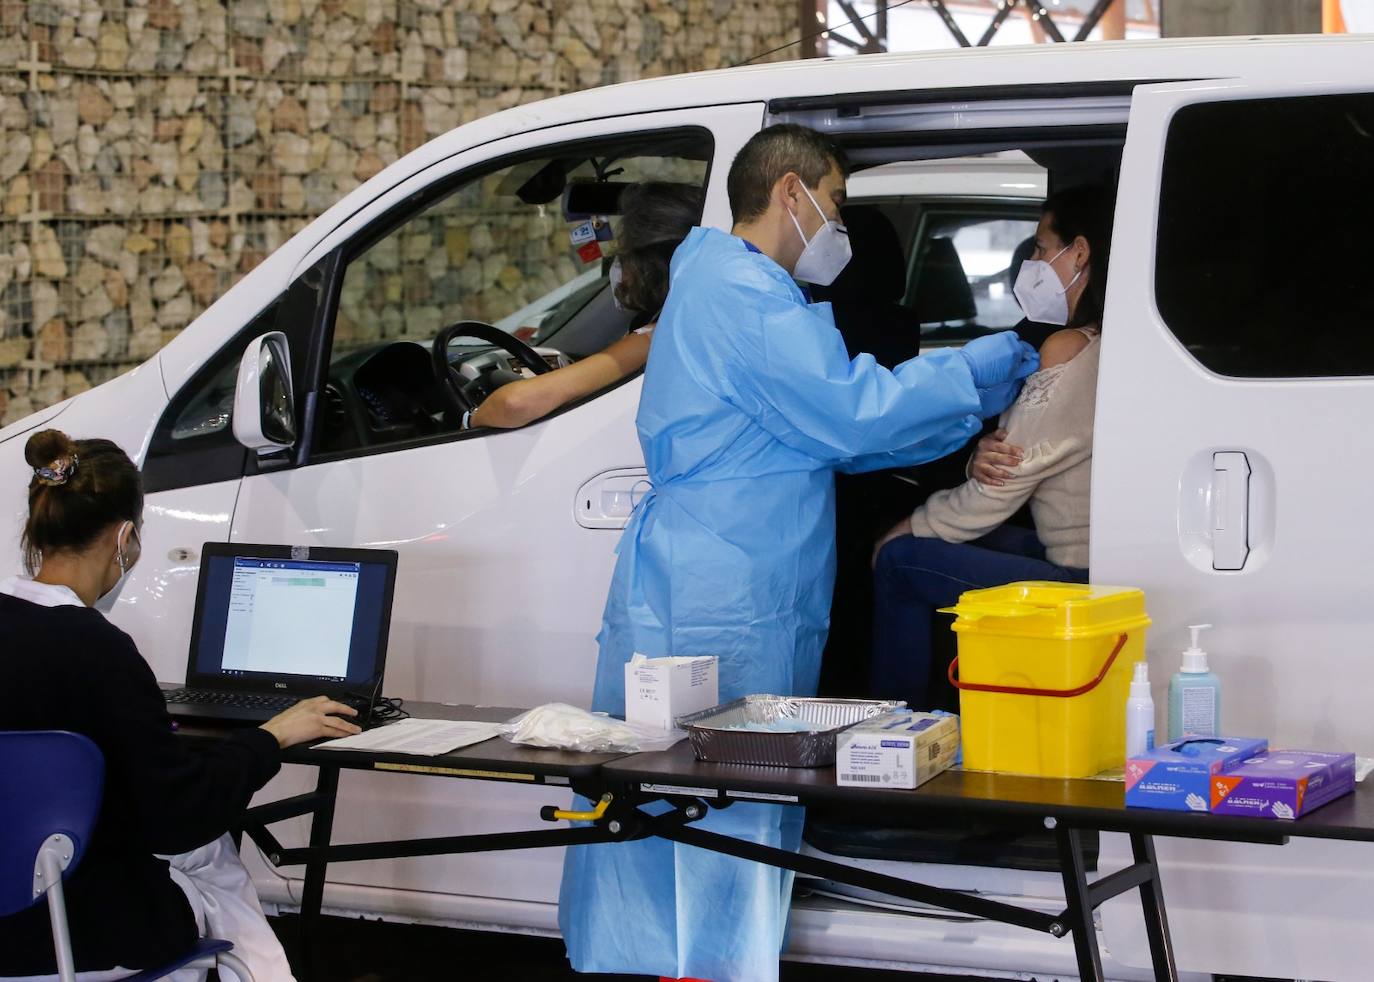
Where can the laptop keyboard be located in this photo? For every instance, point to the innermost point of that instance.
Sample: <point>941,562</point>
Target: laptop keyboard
<point>237,700</point>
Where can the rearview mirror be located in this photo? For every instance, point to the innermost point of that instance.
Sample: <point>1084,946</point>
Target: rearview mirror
<point>264,402</point>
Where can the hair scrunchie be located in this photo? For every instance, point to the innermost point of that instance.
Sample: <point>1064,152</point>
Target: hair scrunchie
<point>58,472</point>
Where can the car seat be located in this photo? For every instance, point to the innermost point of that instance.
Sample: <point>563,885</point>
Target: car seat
<point>867,295</point>
<point>942,292</point>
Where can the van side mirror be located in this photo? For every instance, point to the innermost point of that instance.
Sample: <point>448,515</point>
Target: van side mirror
<point>264,402</point>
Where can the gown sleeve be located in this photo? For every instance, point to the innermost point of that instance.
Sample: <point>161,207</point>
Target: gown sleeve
<point>791,373</point>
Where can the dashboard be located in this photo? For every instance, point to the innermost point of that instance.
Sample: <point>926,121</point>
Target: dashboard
<point>513,364</point>
<point>387,393</point>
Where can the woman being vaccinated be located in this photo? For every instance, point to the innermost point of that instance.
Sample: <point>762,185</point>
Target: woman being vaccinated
<point>960,539</point>
<point>160,869</point>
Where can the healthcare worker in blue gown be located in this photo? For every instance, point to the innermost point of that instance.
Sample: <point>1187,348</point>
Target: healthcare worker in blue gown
<point>749,405</point>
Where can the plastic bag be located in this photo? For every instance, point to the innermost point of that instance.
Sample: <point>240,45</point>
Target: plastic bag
<point>558,726</point>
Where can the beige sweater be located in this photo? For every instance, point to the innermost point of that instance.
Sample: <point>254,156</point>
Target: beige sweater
<point>1052,421</point>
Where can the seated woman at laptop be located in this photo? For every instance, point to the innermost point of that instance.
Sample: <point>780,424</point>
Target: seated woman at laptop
<point>160,868</point>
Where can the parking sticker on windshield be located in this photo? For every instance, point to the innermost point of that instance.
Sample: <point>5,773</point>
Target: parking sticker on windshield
<point>582,233</point>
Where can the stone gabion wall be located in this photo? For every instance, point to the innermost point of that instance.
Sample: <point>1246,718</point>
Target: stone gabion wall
<point>154,151</point>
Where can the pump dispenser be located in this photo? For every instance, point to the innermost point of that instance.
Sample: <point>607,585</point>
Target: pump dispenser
<point>1140,714</point>
<point>1194,694</point>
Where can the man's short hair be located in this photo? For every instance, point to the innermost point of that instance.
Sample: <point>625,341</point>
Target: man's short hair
<point>769,155</point>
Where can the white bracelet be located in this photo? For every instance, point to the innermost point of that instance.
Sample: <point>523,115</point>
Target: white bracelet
<point>467,420</point>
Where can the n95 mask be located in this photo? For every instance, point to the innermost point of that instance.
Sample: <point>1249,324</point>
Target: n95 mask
<point>826,254</point>
<point>1039,292</point>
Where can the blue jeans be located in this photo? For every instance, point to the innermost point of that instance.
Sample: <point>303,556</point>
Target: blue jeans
<point>914,577</point>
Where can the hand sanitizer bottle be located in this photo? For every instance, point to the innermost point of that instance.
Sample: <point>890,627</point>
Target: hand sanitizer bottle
<point>1140,714</point>
<point>1194,695</point>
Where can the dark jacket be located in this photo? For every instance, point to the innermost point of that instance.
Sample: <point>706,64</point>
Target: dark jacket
<point>67,668</point>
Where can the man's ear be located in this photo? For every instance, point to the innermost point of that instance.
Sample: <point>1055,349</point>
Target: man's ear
<point>787,191</point>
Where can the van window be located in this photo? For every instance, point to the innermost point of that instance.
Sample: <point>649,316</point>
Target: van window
<point>961,270</point>
<point>1264,238</point>
<point>194,441</point>
<point>513,246</point>
<point>959,220</point>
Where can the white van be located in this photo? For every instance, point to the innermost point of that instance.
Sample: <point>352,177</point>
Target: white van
<point>1228,481</point>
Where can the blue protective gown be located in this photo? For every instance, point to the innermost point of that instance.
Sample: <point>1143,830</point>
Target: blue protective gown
<point>750,403</point>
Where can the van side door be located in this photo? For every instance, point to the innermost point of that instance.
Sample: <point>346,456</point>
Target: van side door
<point>1229,477</point>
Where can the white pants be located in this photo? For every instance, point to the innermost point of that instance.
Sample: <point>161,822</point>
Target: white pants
<point>226,906</point>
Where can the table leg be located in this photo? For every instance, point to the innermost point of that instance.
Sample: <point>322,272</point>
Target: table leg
<point>312,896</point>
<point>1079,911</point>
<point>1152,900</point>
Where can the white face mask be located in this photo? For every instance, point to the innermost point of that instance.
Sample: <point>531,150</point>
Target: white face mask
<point>125,560</point>
<point>826,254</point>
<point>1039,292</point>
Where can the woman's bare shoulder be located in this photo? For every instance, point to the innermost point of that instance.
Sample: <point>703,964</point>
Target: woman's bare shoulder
<point>1061,347</point>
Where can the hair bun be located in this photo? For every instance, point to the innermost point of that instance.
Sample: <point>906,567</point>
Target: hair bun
<point>45,446</point>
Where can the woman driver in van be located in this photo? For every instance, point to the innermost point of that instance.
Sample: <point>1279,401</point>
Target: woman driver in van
<point>160,869</point>
<point>657,218</point>
<point>957,540</point>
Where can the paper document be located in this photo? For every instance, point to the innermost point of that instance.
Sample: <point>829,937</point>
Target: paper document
<point>426,737</point>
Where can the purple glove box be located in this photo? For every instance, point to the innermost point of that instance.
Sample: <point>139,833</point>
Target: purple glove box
<point>1283,784</point>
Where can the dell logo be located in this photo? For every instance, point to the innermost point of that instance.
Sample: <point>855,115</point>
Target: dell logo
<point>280,685</point>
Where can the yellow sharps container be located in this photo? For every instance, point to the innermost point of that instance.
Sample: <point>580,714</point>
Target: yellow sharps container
<point>1043,672</point>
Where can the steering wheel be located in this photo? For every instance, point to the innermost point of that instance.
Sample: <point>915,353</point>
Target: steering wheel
<point>452,385</point>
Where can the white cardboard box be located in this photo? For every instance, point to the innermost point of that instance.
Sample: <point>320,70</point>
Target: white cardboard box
<point>896,750</point>
<point>659,690</point>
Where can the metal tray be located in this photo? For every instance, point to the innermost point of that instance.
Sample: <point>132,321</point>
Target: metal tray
<point>713,740</point>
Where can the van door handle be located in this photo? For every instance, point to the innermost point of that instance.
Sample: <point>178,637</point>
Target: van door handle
<point>1230,510</point>
<point>608,500</point>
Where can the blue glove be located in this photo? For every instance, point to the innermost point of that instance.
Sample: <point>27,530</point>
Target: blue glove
<point>996,398</point>
<point>999,358</point>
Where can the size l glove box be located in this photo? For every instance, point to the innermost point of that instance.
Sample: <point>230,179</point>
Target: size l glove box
<point>896,750</point>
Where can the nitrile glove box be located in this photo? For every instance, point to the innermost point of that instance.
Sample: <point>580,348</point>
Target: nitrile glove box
<point>1283,784</point>
<point>659,690</point>
<point>1178,776</point>
<point>896,750</point>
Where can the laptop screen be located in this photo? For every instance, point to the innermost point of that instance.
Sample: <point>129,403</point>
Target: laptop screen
<point>269,620</point>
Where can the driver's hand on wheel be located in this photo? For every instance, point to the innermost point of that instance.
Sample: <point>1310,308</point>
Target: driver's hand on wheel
<point>311,719</point>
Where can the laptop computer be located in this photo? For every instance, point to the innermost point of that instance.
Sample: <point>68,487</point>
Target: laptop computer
<point>275,624</point>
